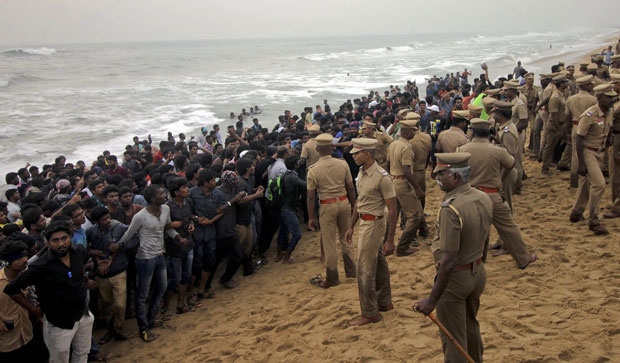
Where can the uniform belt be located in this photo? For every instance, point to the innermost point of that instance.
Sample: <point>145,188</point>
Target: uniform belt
<point>487,189</point>
<point>369,217</point>
<point>467,266</point>
<point>575,122</point>
<point>595,149</point>
<point>396,177</point>
<point>333,200</point>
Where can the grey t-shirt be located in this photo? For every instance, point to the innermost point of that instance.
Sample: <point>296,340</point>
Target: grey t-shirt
<point>150,230</point>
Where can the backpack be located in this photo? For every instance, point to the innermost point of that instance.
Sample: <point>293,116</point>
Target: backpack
<point>275,197</point>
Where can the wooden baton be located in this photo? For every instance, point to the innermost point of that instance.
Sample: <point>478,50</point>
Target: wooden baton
<point>433,317</point>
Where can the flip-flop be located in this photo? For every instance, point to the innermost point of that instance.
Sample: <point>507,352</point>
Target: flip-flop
<point>147,336</point>
<point>316,279</point>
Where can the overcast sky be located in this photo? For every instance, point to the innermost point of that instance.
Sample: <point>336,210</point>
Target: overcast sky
<point>69,21</point>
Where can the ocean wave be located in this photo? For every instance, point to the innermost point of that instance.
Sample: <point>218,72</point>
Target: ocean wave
<point>29,51</point>
<point>11,78</point>
<point>364,51</point>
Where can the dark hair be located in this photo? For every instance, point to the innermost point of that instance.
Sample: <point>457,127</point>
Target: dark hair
<point>98,212</point>
<point>174,184</point>
<point>31,216</point>
<point>507,114</point>
<point>10,192</point>
<point>112,157</point>
<point>57,226</point>
<point>481,132</point>
<point>10,177</point>
<point>69,209</point>
<point>291,162</point>
<point>12,247</point>
<point>206,175</point>
<point>93,184</point>
<point>110,189</point>
<point>243,165</point>
<point>88,203</point>
<point>10,228</point>
<point>150,192</point>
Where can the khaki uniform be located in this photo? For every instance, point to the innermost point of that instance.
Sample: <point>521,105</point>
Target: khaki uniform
<point>329,177</point>
<point>509,137</point>
<point>383,141</point>
<point>575,106</point>
<point>519,112</point>
<point>594,125</point>
<point>422,145</point>
<point>614,165</point>
<point>544,115</point>
<point>374,186</point>
<point>400,156</point>
<point>486,162</point>
<point>553,131</point>
<point>308,152</point>
<point>530,96</point>
<point>463,224</point>
<point>535,150</point>
<point>450,139</point>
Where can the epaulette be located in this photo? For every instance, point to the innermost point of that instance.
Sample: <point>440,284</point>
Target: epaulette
<point>447,202</point>
<point>589,113</point>
<point>519,102</point>
<point>506,129</point>
<point>384,173</point>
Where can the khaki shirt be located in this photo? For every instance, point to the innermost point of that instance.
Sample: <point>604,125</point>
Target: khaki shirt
<point>594,126</point>
<point>10,310</point>
<point>519,109</point>
<point>308,152</point>
<point>400,155</point>
<point>422,146</point>
<point>463,224</point>
<point>616,118</point>
<point>329,177</point>
<point>509,136</point>
<point>374,186</point>
<point>577,104</point>
<point>557,103</point>
<point>530,95</point>
<point>383,141</point>
<point>486,162</point>
<point>450,139</point>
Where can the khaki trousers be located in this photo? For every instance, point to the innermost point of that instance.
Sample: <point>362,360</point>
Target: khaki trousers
<point>373,274</point>
<point>457,309</point>
<point>552,137</point>
<point>113,295</point>
<point>614,173</point>
<point>410,205</point>
<point>334,219</point>
<point>593,184</point>
<point>508,231</point>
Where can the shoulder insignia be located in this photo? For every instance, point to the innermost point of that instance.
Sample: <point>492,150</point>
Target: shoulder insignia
<point>589,113</point>
<point>384,173</point>
<point>519,102</point>
<point>447,202</point>
<point>506,129</point>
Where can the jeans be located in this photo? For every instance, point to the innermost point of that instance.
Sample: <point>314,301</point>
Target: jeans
<point>203,256</point>
<point>152,270</point>
<point>231,249</point>
<point>179,270</point>
<point>288,223</point>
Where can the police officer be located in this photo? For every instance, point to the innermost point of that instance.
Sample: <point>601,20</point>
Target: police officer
<point>421,144</point>
<point>520,119</point>
<point>614,153</point>
<point>375,192</point>
<point>369,130</point>
<point>593,133</point>
<point>459,249</point>
<point>575,106</point>
<point>309,155</point>
<point>330,178</point>
<point>557,117</point>
<point>448,140</point>
<point>408,192</point>
<point>507,136</point>
<point>488,162</point>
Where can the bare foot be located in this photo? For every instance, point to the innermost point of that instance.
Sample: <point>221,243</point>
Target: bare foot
<point>532,259</point>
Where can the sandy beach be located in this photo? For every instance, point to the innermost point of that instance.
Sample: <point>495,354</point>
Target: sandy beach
<point>564,307</point>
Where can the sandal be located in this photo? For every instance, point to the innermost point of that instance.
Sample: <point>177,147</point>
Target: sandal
<point>185,309</point>
<point>166,315</point>
<point>316,279</point>
<point>147,336</point>
<point>106,338</point>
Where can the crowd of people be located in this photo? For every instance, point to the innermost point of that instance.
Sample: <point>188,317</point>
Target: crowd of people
<point>121,237</point>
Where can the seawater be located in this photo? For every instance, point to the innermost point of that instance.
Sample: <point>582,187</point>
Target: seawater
<point>80,99</point>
